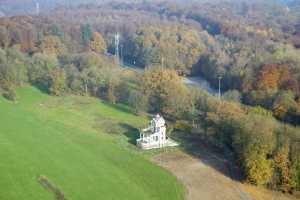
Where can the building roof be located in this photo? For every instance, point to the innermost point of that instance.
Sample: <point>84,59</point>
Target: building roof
<point>159,121</point>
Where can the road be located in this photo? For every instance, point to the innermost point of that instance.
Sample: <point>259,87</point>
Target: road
<point>197,81</point>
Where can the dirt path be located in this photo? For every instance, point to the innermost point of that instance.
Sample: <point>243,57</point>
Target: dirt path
<point>202,181</point>
<point>203,176</point>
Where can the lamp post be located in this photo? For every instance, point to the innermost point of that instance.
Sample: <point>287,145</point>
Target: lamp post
<point>121,56</point>
<point>219,77</point>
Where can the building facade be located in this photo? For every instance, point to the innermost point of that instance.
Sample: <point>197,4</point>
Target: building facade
<point>154,136</point>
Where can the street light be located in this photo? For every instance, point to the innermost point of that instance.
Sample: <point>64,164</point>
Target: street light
<point>219,77</point>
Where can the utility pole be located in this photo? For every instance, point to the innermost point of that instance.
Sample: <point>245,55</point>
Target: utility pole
<point>37,8</point>
<point>220,77</point>
<point>117,42</point>
<point>121,56</point>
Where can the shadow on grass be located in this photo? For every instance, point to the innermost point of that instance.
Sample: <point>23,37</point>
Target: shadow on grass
<point>221,160</point>
<point>41,88</point>
<point>130,132</point>
<point>52,188</point>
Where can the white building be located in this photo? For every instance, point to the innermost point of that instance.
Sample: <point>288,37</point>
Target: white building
<point>155,135</point>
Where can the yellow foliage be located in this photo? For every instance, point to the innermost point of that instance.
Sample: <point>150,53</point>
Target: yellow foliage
<point>98,44</point>
<point>52,45</point>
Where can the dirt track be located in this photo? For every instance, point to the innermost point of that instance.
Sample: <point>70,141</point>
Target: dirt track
<point>203,176</point>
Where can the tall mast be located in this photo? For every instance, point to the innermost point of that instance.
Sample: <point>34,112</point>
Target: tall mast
<point>37,8</point>
<point>117,42</point>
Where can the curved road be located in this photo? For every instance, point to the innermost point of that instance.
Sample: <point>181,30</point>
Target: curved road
<point>197,81</point>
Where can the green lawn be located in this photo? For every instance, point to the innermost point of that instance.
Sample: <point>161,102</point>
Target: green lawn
<point>81,145</point>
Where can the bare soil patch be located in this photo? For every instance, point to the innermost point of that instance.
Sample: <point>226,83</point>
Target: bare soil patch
<point>207,175</point>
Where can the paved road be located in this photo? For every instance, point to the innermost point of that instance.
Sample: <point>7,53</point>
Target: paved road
<point>197,81</point>
<point>200,82</point>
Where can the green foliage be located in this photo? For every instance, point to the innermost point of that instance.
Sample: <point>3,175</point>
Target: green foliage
<point>86,33</point>
<point>10,94</point>
<point>284,105</point>
<point>40,70</point>
<point>56,31</point>
<point>138,102</point>
<point>232,95</point>
<point>260,111</point>
<point>183,126</point>
<point>13,66</point>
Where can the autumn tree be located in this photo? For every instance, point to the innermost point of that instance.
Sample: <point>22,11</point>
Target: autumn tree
<point>284,104</point>
<point>254,142</point>
<point>174,47</point>
<point>268,78</point>
<point>97,44</point>
<point>58,83</point>
<point>166,91</point>
<point>282,167</point>
<point>52,45</point>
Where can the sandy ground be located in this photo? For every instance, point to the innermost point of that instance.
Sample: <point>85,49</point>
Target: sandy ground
<point>206,176</point>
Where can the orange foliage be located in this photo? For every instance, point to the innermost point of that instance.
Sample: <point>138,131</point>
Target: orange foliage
<point>268,78</point>
<point>97,44</point>
<point>52,45</point>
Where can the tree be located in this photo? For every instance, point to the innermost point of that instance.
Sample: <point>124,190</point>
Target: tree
<point>284,104</point>
<point>282,167</point>
<point>138,101</point>
<point>13,66</point>
<point>166,91</point>
<point>4,37</point>
<point>52,45</point>
<point>40,70</point>
<point>56,31</point>
<point>268,78</point>
<point>97,44</point>
<point>58,82</point>
<point>259,168</point>
<point>86,33</point>
<point>174,47</point>
<point>254,141</point>
<point>232,95</point>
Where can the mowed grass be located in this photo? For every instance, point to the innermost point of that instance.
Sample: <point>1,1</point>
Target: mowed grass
<point>65,140</point>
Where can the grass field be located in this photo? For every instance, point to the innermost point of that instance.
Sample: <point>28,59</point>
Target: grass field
<point>81,145</point>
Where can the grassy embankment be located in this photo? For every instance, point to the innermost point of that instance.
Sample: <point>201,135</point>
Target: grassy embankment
<point>69,141</point>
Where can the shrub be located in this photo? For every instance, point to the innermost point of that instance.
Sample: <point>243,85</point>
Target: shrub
<point>10,94</point>
<point>181,125</point>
